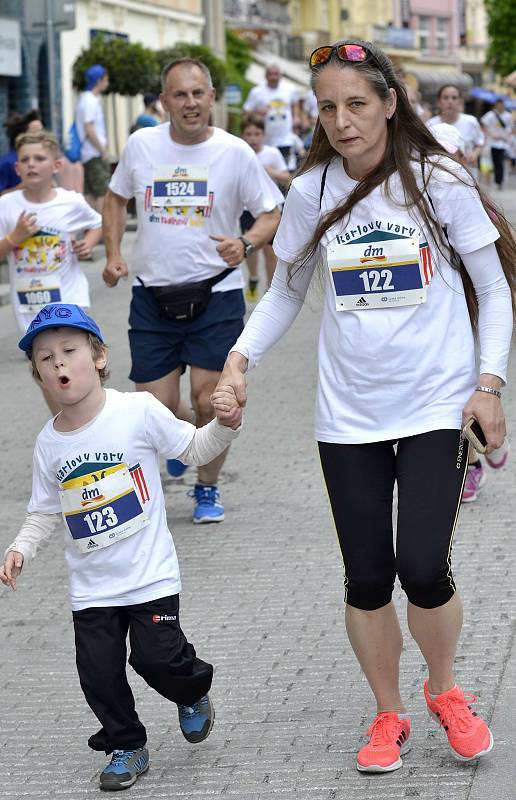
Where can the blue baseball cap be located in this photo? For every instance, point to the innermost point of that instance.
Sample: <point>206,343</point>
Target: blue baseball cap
<point>59,315</point>
<point>93,75</point>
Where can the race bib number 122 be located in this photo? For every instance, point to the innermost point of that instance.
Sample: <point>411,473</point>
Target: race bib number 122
<point>379,274</point>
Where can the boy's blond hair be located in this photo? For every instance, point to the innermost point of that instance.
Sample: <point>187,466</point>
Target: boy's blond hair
<point>46,139</point>
<point>97,350</point>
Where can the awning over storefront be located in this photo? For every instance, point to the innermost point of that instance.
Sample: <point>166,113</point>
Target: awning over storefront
<point>429,81</point>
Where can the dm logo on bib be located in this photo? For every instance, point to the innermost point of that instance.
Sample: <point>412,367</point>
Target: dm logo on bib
<point>102,503</point>
<point>379,265</point>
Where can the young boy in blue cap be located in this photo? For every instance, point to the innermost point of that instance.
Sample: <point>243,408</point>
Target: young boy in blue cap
<point>96,466</point>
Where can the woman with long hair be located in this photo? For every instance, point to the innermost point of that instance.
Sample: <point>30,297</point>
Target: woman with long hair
<point>413,266</point>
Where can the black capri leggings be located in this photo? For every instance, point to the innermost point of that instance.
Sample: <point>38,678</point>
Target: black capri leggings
<point>430,470</point>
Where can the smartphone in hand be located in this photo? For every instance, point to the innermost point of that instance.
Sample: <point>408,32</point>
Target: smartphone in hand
<point>475,435</point>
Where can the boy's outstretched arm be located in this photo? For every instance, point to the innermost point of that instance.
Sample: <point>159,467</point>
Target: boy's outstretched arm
<point>36,529</point>
<point>11,568</point>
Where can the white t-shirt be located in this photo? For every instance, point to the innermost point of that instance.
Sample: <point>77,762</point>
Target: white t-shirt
<point>272,157</point>
<point>44,268</point>
<point>310,105</point>
<point>386,373</point>
<point>89,109</point>
<point>133,429</point>
<point>278,119</point>
<point>468,127</point>
<point>172,243</point>
<point>503,135</point>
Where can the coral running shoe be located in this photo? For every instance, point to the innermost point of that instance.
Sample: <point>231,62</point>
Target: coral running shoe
<point>388,741</point>
<point>498,458</point>
<point>475,479</point>
<point>468,735</point>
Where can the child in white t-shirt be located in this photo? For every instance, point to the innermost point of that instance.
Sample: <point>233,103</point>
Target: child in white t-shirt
<point>272,160</point>
<point>38,228</point>
<point>96,467</point>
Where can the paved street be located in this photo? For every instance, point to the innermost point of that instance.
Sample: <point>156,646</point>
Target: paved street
<point>262,600</point>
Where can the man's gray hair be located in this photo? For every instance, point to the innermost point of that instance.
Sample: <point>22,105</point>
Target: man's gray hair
<point>187,62</point>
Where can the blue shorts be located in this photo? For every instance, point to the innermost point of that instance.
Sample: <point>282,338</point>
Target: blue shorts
<point>159,346</point>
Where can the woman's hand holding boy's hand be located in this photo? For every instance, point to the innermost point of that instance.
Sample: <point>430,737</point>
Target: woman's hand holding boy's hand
<point>226,407</point>
<point>26,225</point>
<point>11,568</point>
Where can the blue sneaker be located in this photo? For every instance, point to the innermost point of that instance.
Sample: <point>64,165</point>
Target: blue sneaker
<point>124,768</point>
<point>196,721</point>
<point>206,508</point>
<point>176,468</point>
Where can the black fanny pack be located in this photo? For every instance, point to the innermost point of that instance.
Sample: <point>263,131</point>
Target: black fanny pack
<point>184,301</point>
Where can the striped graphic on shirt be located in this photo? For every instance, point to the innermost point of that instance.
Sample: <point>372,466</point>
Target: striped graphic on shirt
<point>139,481</point>
<point>426,261</point>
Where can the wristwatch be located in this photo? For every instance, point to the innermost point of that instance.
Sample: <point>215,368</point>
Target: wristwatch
<point>248,246</point>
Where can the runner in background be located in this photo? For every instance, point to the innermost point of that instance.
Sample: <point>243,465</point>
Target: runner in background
<point>450,103</point>
<point>279,106</point>
<point>498,125</point>
<point>253,132</point>
<point>44,230</point>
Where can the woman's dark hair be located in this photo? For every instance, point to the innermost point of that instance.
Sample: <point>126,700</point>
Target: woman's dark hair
<point>18,123</point>
<point>448,86</point>
<point>409,142</point>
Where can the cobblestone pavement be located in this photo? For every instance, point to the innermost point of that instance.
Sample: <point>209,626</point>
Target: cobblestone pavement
<point>262,599</point>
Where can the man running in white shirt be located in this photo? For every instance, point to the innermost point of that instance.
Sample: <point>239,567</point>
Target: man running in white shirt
<point>279,106</point>
<point>191,182</point>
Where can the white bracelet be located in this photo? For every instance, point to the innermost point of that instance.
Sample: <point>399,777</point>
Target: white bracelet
<point>488,390</point>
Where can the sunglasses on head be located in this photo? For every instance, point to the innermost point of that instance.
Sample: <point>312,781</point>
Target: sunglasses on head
<point>345,52</point>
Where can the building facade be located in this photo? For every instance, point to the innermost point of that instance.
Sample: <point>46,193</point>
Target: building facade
<point>422,37</point>
<point>27,47</point>
<point>154,23</point>
<point>265,24</point>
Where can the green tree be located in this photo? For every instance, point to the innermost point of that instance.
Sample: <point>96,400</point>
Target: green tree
<point>132,67</point>
<point>238,58</point>
<point>238,52</point>
<point>501,54</point>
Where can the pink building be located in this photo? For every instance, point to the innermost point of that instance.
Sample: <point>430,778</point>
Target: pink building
<point>436,23</point>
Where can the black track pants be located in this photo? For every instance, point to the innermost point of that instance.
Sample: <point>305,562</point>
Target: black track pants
<point>160,653</point>
<point>430,470</point>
